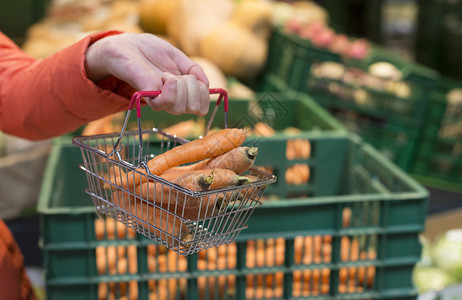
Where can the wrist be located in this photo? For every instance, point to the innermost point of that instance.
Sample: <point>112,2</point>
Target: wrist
<point>94,58</point>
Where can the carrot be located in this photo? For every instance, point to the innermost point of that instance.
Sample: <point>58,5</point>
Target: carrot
<point>167,197</point>
<point>346,217</point>
<point>153,219</point>
<point>344,248</point>
<point>209,206</point>
<point>263,129</point>
<point>183,129</point>
<point>308,256</point>
<point>209,146</point>
<point>317,242</point>
<point>354,249</point>
<point>238,160</point>
<point>220,178</point>
<point>99,228</point>
<point>100,126</point>
<point>101,259</point>
<point>102,290</point>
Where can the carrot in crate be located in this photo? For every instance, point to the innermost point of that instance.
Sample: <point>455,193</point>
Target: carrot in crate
<point>101,259</point>
<point>317,243</point>
<point>132,259</point>
<point>316,281</point>
<point>110,228</point>
<point>306,282</point>
<point>263,129</point>
<point>111,253</point>
<point>184,129</point>
<point>270,252</point>
<point>102,290</point>
<point>343,277</point>
<point>99,228</point>
<point>280,251</point>
<point>346,217</point>
<point>133,290</point>
<point>260,255</point>
<point>344,248</point>
<point>298,247</point>
<point>201,286</point>
<point>122,265</point>
<point>212,145</point>
<point>297,289</point>
<point>354,249</point>
<point>327,248</point>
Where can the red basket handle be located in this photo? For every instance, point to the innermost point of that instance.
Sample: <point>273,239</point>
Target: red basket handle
<point>136,100</point>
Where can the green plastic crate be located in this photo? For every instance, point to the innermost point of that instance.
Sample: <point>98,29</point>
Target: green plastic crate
<point>280,110</point>
<point>396,142</point>
<point>387,211</point>
<point>343,83</point>
<point>439,158</point>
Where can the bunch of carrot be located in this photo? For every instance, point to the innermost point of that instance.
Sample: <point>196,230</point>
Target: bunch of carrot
<point>215,161</point>
<point>308,250</point>
<point>160,260</point>
<point>115,260</point>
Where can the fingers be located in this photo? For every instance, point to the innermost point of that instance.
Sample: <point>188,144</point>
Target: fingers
<point>182,94</point>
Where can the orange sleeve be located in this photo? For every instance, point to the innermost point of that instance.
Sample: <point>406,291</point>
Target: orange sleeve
<point>41,99</point>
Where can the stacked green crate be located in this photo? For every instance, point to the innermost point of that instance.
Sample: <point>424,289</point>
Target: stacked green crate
<point>387,111</point>
<point>349,231</point>
<point>439,157</point>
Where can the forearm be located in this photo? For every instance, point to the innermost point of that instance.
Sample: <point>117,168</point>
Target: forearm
<point>46,98</point>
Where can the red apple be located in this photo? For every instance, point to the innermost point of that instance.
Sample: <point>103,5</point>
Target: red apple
<point>323,38</point>
<point>359,49</point>
<point>340,44</point>
<point>311,29</point>
<point>293,26</point>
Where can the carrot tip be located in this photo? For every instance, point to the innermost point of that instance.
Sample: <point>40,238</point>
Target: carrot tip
<point>205,181</point>
<point>241,180</point>
<point>252,152</point>
<point>186,237</point>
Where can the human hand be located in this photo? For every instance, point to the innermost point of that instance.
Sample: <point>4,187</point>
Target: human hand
<point>149,63</point>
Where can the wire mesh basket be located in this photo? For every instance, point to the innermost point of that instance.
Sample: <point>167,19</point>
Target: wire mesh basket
<point>183,220</point>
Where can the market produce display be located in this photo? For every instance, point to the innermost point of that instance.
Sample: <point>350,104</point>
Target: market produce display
<point>260,253</point>
<point>337,198</point>
<point>440,265</point>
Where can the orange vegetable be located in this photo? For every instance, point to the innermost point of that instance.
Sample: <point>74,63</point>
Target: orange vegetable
<point>213,145</point>
<point>154,219</point>
<point>99,228</point>
<point>346,217</point>
<point>344,248</point>
<point>220,177</point>
<point>133,290</point>
<point>317,249</point>
<point>122,265</point>
<point>121,251</point>
<point>132,259</point>
<point>111,259</point>
<point>263,129</point>
<point>183,129</point>
<point>162,194</point>
<point>101,259</point>
<point>354,249</point>
<point>102,290</point>
<point>238,160</point>
<point>100,126</point>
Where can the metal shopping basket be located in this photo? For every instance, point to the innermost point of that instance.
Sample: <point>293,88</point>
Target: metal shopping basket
<point>183,220</point>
